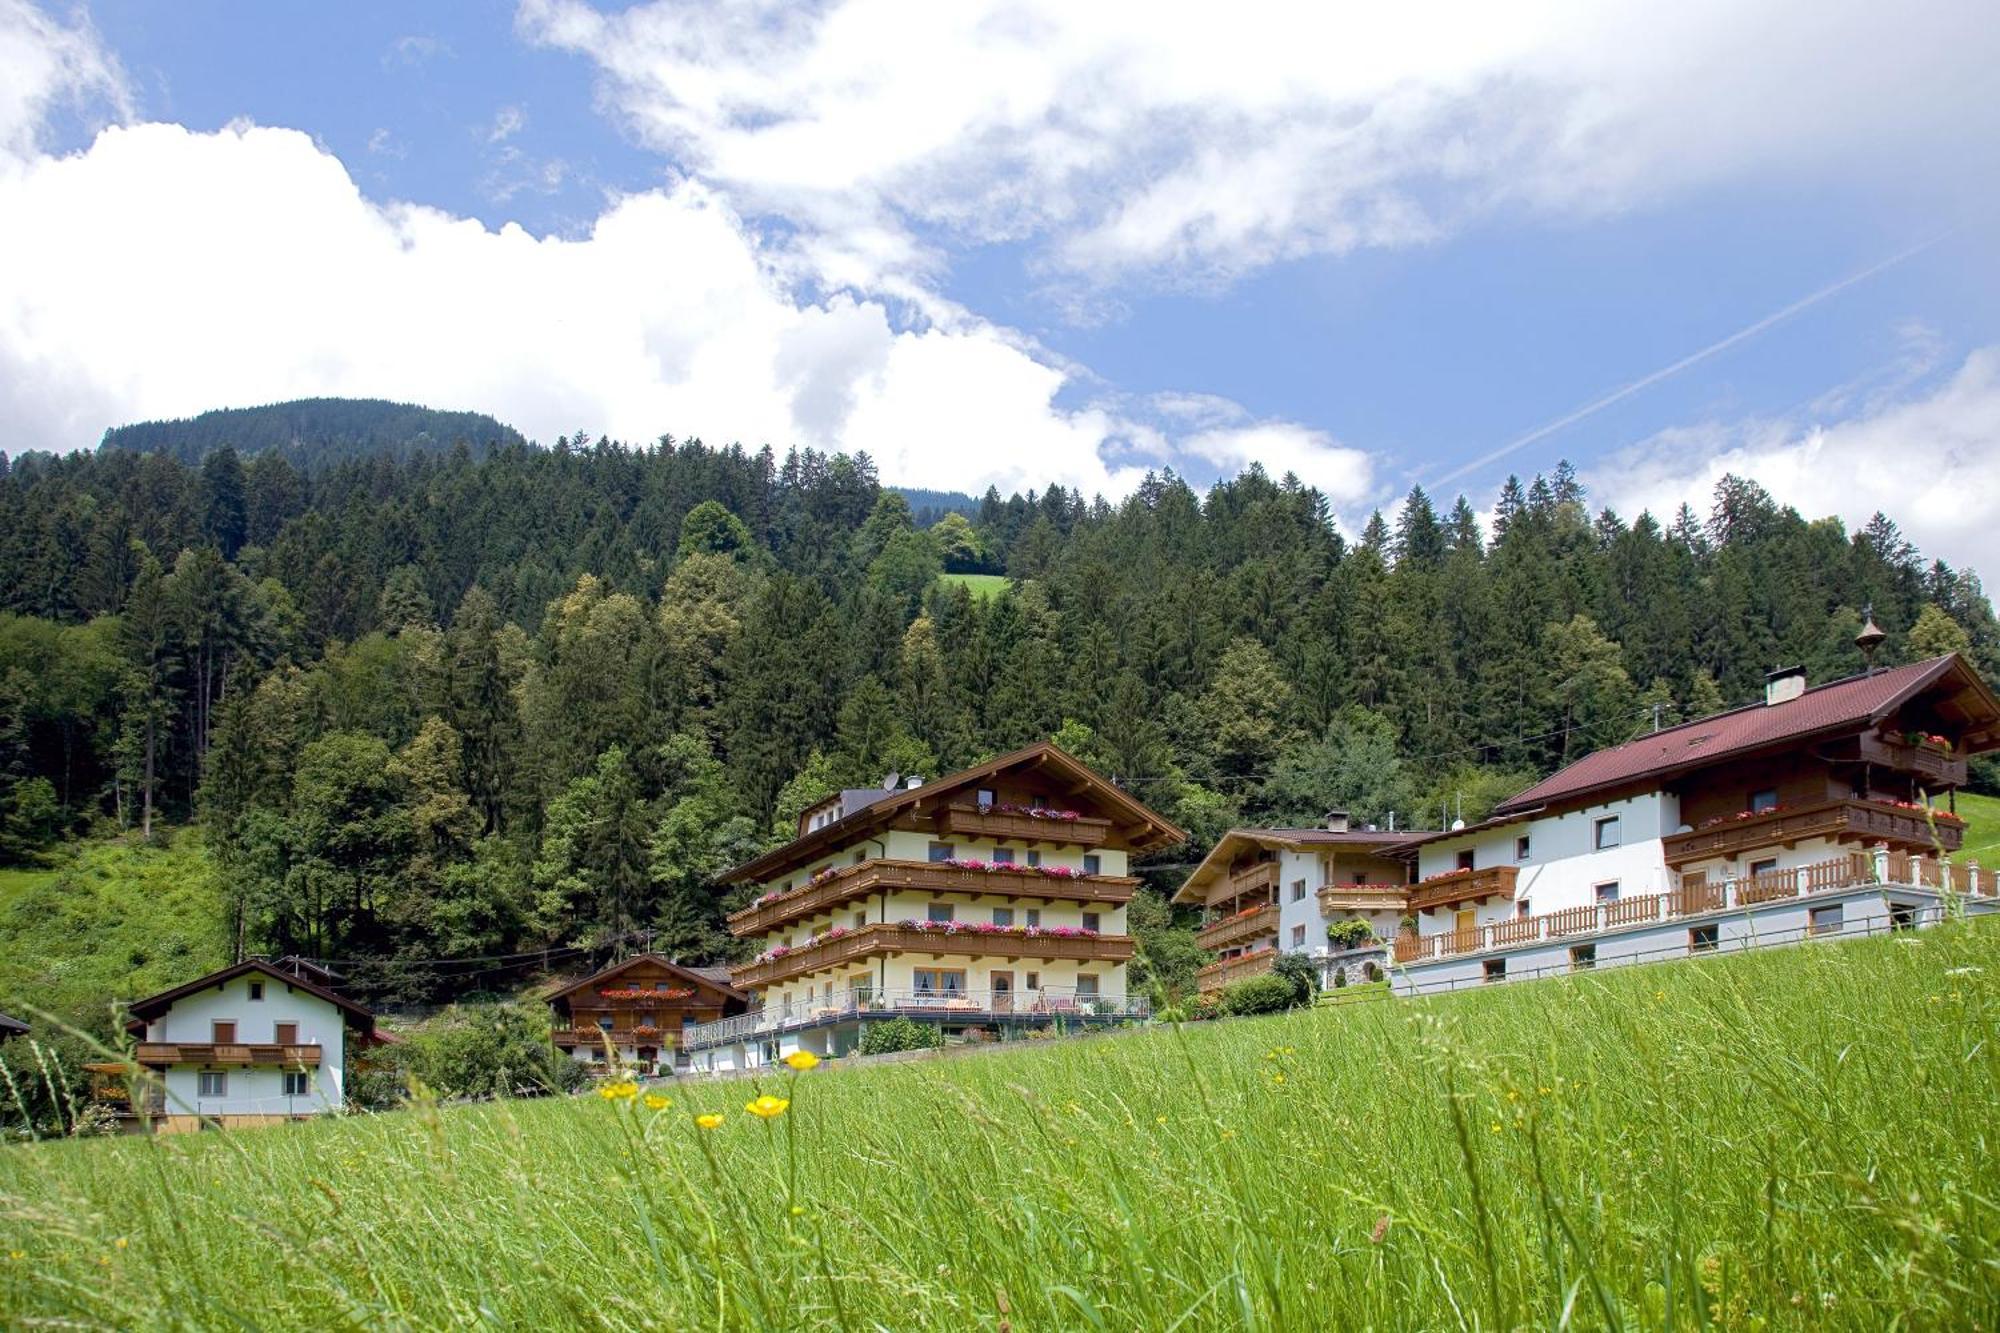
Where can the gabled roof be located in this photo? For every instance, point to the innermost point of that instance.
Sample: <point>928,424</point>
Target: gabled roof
<point>703,977</point>
<point>1839,708</point>
<point>1148,829</point>
<point>12,1027</point>
<point>1374,842</point>
<point>144,1011</point>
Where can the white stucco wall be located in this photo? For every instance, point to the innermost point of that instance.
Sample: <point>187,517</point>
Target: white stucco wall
<point>254,1090</point>
<point>1564,866</point>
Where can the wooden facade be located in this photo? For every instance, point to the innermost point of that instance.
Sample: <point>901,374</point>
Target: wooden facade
<point>634,1012</point>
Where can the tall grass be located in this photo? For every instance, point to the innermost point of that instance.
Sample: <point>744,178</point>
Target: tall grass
<point>1790,1139</point>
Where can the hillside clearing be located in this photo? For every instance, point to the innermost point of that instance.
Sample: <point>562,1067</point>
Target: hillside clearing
<point>1791,1139</point>
<point>981,586</point>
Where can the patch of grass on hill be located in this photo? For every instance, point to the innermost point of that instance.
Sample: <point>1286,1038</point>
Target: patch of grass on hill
<point>981,586</point>
<point>109,919</point>
<point>1982,828</point>
<point>1794,1139</point>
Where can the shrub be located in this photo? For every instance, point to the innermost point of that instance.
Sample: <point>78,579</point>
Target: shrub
<point>1349,934</point>
<point>1204,1006</point>
<point>474,1051</point>
<point>1268,994</point>
<point>897,1034</point>
<point>1301,973</point>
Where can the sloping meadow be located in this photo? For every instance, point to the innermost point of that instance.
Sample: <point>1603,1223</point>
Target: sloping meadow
<point>1790,1139</point>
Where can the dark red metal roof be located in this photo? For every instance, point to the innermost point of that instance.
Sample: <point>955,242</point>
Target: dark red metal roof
<point>1836,708</point>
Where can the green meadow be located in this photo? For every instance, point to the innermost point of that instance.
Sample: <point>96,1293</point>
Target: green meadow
<point>979,585</point>
<point>1794,1139</point>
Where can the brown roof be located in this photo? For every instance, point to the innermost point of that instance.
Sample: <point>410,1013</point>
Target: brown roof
<point>153,1006</point>
<point>1838,708</point>
<point>1157,830</point>
<point>702,976</point>
<point>1378,842</point>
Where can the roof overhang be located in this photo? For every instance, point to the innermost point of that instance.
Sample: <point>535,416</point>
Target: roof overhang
<point>153,1006</point>
<point>1193,889</point>
<point>693,978</point>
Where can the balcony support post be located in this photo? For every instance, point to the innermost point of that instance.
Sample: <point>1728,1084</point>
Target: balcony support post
<point>1880,855</point>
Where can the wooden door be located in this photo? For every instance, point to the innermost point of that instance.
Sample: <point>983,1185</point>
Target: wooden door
<point>1003,992</point>
<point>1464,925</point>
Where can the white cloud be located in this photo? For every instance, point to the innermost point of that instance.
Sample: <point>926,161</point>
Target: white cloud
<point>507,123</point>
<point>1925,458</point>
<point>1202,140</point>
<point>45,64</point>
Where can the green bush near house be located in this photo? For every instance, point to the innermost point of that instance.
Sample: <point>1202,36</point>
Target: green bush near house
<point>1349,934</point>
<point>1301,973</point>
<point>1268,994</point>
<point>897,1034</point>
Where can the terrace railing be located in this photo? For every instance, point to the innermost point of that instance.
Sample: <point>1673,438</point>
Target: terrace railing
<point>1253,924</point>
<point>1253,964</point>
<point>969,939</point>
<point>1018,1007</point>
<point>1846,821</point>
<point>852,883</point>
<point>988,821</point>
<point>226,1053</point>
<point>1463,886</point>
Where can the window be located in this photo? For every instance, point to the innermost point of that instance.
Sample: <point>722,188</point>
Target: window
<point>285,1034</point>
<point>1003,856</point>
<point>860,919</point>
<point>297,1083</point>
<point>1465,859</point>
<point>1521,848</point>
<point>940,981</point>
<point>1760,801</point>
<point>1298,890</point>
<point>1494,969</point>
<point>1034,981</point>
<point>211,1085</point>
<point>1767,866</point>
<point>1826,920</point>
<point>1034,917</point>
<point>646,1018</point>
<point>1086,987</point>
<point>1607,832</point>
<point>604,1024</point>
<point>860,855</point>
<point>1093,921</point>
<point>1091,862</point>
<point>221,1032</point>
<point>986,800</point>
<point>1034,857</point>
<point>256,990</point>
<point>1582,957</point>
<point>1902,916</point>
<point>940,851</point>
<point>1298,937</point>
<point>1523,908</point>
<point>1608,892</point>
<point>1703,939</point>
<point>1003,916</point>
<point>938,912</point>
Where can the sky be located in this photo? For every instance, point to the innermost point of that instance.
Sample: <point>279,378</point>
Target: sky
<point>1373,246</point>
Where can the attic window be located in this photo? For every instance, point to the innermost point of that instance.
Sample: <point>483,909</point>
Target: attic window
<point>256,990</point>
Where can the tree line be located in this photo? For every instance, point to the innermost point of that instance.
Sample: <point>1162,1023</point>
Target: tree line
<point>435,705</point>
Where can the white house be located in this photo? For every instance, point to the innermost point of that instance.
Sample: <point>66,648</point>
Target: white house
<point>252,1044</point>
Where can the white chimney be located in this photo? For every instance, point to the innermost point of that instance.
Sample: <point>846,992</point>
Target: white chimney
<point>1336,821</point>
<point>1784,685</point>
<point>912,782</point>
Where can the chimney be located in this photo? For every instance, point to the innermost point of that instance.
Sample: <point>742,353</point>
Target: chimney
<point>1784,685</point>
<point>912,782</point>
<point>1336,821</point>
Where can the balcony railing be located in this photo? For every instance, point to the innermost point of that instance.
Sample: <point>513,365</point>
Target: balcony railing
<point>664,1038</point>
<point>1698,896</point>
<point>868,941</point>
<point>1463,886</point>
<point>1839,821</point>
<point>226,1053</point>
<point>1253,964</point>
<point>853,883</point>
<point>1046,1004</point>
<point>974,821</point>
<point>1250,925</point>
<point>1251,881</point>
<point>1932,766</point>
<point>1364,897</point>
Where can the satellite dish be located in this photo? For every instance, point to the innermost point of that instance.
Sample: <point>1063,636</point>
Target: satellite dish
<point>892,780</point>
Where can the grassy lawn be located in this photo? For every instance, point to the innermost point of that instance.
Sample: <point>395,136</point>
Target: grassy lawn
<point>979,585</point>
<point>1793,1139</point>
<point>1982,828</point>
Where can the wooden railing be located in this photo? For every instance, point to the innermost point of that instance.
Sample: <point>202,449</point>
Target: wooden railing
<point>972,821</point>
<point>225,1053</point>
<point>1694,897</point>
<point>1463,886</point>
<point>1230,930</point>
<point>852,883</point>
<point>868,941</point>
<point>1840,821</point>
<point>663,1037</point>
<point>1364,898</point>
<point>1932,766</point>
<point>1261,878</point>
<point>1253,964</point>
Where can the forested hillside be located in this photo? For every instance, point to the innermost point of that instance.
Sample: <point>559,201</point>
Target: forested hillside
<point>443,707</point>
<point>314,432</point>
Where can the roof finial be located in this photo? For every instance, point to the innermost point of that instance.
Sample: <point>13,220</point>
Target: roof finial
<point>1870,638</point>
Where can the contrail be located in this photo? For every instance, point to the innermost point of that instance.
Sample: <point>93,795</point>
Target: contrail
<point>1625,391</point>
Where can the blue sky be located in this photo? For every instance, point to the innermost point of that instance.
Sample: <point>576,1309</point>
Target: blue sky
<point>1015,244</point>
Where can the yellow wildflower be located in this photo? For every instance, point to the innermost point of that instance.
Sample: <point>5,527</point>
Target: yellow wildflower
<point>802,1060</point>
<point>120,1242</point>
<point>767,1106</point>
<point>655,1102</point>
<point>710,1121</point>
<point>623,1091</point>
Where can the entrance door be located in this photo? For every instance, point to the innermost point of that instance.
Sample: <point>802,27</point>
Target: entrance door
<point>1003,992</point>
<point>1464,925</point>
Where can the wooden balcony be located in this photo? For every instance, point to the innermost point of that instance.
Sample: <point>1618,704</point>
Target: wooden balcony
<point>1929,765</point>
<point>1261,878</point>
<point>1240,968</point>
<point>969,941</point>
<point>1364,898</point>
<point>972,821</point>
<point>227,1053</point>
<point>851,884</point>
<point>1837,821</point>
<point>1256,923</point>
<point>664,1038</point>
<point>1463,886</point>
